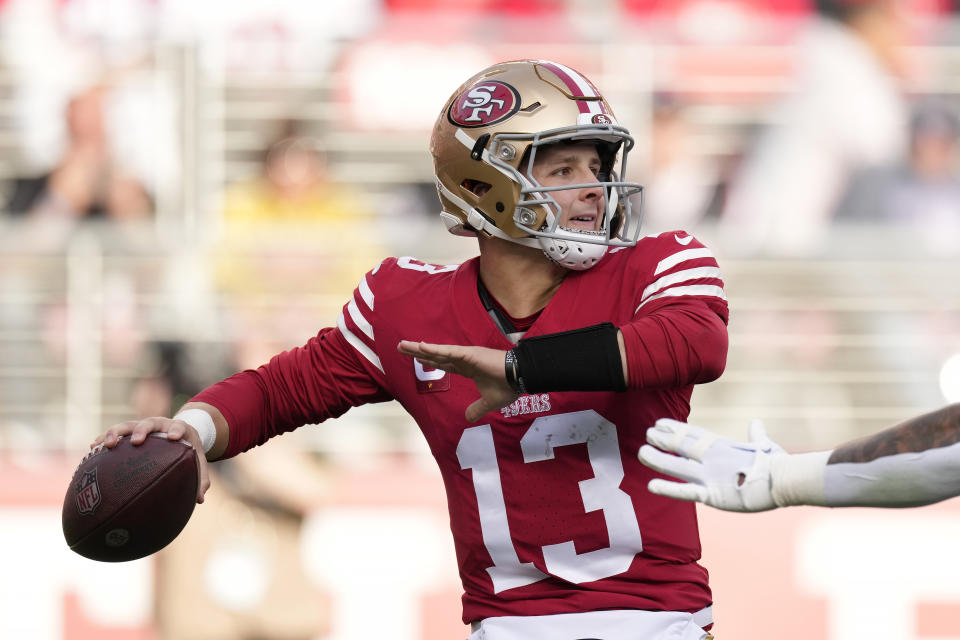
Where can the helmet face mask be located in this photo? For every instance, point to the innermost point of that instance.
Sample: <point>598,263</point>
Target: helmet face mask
<point>491,131</point>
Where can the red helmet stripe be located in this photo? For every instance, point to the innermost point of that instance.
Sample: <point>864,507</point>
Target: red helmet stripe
<point>579,86</point>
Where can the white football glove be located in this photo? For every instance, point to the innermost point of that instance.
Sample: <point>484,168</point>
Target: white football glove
<point>719,472</point>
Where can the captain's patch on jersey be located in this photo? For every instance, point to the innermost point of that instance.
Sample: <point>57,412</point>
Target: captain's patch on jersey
<point>430,380</point>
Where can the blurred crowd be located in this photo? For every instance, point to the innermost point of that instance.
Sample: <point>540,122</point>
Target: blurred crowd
<point>222,201</point>
<point>861,107</point>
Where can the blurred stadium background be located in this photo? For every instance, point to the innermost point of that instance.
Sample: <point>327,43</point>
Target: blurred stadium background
<point>190,187</point>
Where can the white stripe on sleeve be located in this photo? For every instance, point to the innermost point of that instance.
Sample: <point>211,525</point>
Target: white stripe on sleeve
<point>358,318</point>
<point>682,256</point>
<point>358,344</point>
<point>692,290</point>
<point>696,273</point>
<point>365,292</point>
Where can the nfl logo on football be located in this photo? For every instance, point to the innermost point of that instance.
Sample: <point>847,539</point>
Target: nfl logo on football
<point>88,492</point>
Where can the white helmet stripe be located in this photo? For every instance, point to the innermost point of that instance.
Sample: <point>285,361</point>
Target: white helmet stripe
<point>579,86</point>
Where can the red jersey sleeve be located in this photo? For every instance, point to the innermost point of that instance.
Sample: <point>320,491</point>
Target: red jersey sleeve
<point>305,385</point>
<point>678,334</point>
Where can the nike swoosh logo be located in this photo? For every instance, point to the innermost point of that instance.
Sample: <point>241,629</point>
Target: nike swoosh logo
<point>685,240</point>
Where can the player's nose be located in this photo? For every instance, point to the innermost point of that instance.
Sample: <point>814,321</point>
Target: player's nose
<point>595,190</point>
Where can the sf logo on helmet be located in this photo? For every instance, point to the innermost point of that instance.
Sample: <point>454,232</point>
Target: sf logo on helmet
<point>483,104</point>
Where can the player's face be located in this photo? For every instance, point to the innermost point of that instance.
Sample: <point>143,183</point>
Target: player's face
<point>577,163</point>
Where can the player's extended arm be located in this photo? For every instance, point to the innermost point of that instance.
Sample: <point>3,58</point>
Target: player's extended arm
<point>911,464</point>
<point>302,385</point>
<point>673,346</point>
<point>494,371</point>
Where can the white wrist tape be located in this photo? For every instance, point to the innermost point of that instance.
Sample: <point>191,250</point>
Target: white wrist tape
<point>203,423</point>
<point>798,478</point>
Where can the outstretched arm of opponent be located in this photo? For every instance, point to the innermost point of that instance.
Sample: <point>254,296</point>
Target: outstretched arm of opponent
<point>911,464</point>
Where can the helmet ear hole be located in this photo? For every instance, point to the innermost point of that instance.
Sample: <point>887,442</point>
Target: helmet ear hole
<point>476,187</point>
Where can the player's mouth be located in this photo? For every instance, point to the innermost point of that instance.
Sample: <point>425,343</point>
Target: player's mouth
<point>584,222</point>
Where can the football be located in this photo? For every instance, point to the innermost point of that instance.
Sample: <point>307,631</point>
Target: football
<point>130,501</point>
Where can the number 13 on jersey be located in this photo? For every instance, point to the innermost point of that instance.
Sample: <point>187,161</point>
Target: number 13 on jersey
<point>476,452</point>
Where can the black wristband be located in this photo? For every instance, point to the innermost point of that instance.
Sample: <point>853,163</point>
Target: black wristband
<point>511,370</point>
<point>586,359</point>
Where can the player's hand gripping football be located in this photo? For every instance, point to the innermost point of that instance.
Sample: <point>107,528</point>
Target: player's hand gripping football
<point>482,365</point>
<point>719,472</point>
<point>137,431</point>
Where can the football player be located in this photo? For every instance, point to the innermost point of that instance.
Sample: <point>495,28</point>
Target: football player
<point>575,334</point>
<point>908,465</point>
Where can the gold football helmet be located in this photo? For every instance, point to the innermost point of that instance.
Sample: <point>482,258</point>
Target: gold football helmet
<point>488,134</point>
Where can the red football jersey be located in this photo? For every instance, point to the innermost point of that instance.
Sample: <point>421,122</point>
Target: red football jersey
<point>548,502</point>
